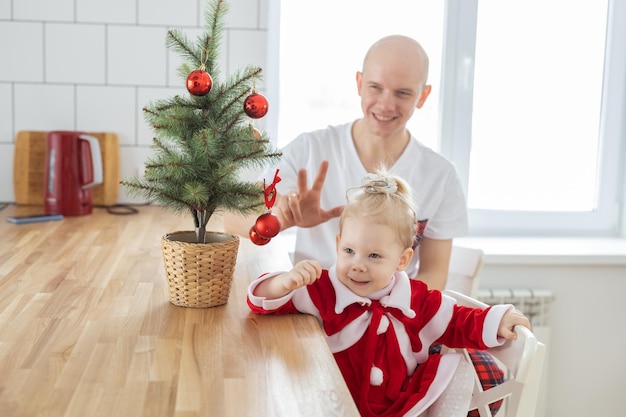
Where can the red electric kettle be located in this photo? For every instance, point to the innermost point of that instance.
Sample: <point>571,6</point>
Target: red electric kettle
<point>73,166</point>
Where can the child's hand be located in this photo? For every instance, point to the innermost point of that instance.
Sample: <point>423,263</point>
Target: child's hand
<point>303,273</point>
<point>510,319</point>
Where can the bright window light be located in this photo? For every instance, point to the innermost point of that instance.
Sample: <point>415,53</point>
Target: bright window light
<point>322,45</point>
<point>538,82</point>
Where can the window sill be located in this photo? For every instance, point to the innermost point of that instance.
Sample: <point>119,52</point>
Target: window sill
<point>549,251</point>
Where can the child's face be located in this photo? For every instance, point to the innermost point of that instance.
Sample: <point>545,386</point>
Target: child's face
<point>368,254</point>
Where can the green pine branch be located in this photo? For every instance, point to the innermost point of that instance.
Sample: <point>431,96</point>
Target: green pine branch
<point>202,144</point>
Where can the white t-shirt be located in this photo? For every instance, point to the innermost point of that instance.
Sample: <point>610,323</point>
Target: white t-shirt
<point>437,191</point>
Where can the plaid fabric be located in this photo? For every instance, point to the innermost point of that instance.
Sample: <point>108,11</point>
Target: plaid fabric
<point>489,374</point>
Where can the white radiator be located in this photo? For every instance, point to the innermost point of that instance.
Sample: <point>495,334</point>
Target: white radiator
<point>535,304</point>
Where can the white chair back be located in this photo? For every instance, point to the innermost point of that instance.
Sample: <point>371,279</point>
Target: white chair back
<point>523,361</point>
<point>465,264</point>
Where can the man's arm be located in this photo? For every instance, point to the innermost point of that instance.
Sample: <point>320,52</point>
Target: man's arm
<point>434,262</point>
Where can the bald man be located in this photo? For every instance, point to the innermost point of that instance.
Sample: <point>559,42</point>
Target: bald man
<point>392,84</point>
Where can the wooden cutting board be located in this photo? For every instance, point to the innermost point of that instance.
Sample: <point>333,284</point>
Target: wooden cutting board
<point>29,161</point>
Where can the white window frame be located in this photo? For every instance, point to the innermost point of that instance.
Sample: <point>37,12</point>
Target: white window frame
<point>456,127</point>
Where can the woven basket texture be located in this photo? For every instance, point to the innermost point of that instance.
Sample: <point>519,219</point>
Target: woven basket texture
<point>199,275</point>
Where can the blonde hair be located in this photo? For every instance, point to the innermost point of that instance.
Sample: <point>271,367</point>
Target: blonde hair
<point>387,200</point>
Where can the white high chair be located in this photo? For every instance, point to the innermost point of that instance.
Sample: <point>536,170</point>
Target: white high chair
<point>522,359</point>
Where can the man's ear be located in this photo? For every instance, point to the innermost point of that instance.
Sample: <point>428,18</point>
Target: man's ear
<point>405,258</point>
<point>359,81</point>
<point>425,93</point>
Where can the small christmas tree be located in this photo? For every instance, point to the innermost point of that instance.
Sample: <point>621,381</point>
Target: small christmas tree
<point>203,141</point>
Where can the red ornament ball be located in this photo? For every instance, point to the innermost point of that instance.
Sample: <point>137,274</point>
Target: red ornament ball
<point>267,225</point>
<point>199,82</point>
<point>255,105</point>
<point>256,238</point>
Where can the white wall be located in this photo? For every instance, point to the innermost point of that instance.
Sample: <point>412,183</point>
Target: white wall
<point>586,345</point>
<point>587,277</point>
<point>91,65</point>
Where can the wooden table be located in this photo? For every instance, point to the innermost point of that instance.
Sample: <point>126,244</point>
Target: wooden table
<point>86,329</point>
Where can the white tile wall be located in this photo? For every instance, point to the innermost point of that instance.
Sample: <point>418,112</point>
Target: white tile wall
<point>44,10</point>
<point>6,164</point>
<point>5,9</point>
<point>136,55</point>
<point>44,107</point>
<point>168,12</point>
<point>92,65</point>
<point>6,111</point>
<point>243,14</point>
<point>106,11</point>
<point>21,46</point>
<point>247,47</point>
<point>74,53</point>
<point>100,107</point>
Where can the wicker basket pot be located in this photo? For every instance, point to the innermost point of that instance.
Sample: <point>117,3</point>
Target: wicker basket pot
<point>199,274</point>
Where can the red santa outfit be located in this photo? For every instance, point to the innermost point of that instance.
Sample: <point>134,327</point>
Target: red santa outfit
<point>381,342</point>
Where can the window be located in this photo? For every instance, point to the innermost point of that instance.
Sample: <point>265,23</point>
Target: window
<point>322,45</point>
<point>528,99</point>
<point>535,96</point>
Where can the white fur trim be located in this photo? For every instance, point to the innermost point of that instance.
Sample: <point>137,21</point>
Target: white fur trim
<point>376,376</point>
<point>383,325</point>
<point>492,323</point>
<point>350,334</point>
<point>262,301</point>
